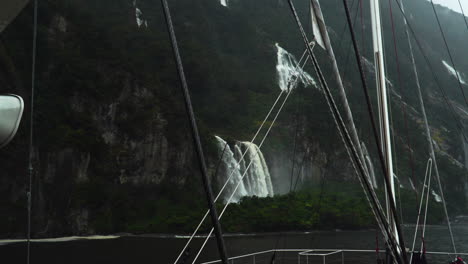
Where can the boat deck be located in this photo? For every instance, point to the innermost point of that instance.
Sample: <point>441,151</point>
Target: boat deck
<point>332,256</point>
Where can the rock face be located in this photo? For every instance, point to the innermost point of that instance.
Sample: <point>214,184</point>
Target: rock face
<point>117,133</point>
<point>111,136</point>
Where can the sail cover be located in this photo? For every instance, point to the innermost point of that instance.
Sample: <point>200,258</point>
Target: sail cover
<point>317,23</point>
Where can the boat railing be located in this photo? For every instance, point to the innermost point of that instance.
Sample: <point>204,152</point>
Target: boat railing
<point>310,256</point>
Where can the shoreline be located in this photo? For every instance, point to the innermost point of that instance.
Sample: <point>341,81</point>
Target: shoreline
<point>4,242</point>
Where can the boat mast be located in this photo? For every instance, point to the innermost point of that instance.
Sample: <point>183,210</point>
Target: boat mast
<point>383,102</point>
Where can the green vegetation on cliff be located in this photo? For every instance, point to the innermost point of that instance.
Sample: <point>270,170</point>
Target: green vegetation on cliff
<point>113,152</point>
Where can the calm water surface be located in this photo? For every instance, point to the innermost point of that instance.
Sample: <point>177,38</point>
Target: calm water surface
<point>159,249</point>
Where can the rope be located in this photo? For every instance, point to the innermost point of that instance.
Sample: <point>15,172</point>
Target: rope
<point>31,131</point>
<point>425,213</point>
<point>403,95</point>
<point>428,172</point>
<point>434,75</point>
<point>463,14</point>
<point>374,128</point>
<point>226,183</point>
<point>195,133</point>
<point>230,176</point>
<point>375,205</point>
<point>246,170</point>
<point>294,148</point>
<point>348,116</point>
<point>449,53</point>
<point>341,41</point>
<point>362,26</point>
<point>232,173</point>
<point>296,132</point>
<point>428,131</point>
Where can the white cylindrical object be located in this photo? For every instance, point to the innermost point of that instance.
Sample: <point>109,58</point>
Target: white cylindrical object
<point>11,110</point>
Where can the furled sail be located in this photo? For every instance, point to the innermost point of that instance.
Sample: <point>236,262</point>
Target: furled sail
<point>316,20</point>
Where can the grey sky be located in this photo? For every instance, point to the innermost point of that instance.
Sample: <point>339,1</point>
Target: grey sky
<point>453,4</point>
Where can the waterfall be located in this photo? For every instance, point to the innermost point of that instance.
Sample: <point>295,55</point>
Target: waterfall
<point>286,70</point>
<point>258,175</point>
<point>230,165</point>
<point>453,72</point>
<point>224,3</point>
<point>257,179</point>
<point>436,196</point>
<point>139,16</point>
<point>369,166</point>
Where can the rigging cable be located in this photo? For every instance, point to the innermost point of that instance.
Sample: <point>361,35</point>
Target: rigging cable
<point>31,131</point>
<point>428,173</point>
<point>248,166</point>
<point>195,134</point>
<point>375,133</point>
<point>428,64</point>
<point>463,14</point>
<point>362,26</point>
<point>349,119</point>
<point>373,200</point>
<point>226,182</point>
<point>231,174</point>
<point>296,132</point>
<point>428,131</point>
<point>423,248</point>
<point>403,94</point>
<point>449,53</point>
<point>344,77</point>
<point>343,32</point>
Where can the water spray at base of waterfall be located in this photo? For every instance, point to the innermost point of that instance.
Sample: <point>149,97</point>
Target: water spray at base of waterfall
<point>257,180</point>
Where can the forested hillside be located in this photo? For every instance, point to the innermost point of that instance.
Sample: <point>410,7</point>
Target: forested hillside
<point>112,149</point>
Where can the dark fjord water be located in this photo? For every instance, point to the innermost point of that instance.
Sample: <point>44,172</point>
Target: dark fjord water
<point>160,249</point>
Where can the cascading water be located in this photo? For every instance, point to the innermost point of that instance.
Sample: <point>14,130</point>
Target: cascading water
<point>139,16</point>
<point>453,72</point>
<point>257,179</point>
<point>224,2</point>
<point>230,166</point>
<point>258,175</point>
<point>369,166</point>
<point>286,69</point>
<point>436,196</point>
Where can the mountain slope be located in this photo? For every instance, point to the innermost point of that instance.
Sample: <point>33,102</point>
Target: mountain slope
<point>112,141</point>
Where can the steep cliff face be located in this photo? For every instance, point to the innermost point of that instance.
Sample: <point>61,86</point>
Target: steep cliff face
<point>118,137</point>
<point>112,148</point>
